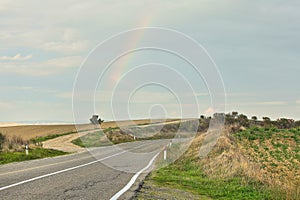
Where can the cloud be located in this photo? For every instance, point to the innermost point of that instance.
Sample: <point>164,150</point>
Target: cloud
<point>245,94</point>
<point>17,57</point>
<point>66,41</point>
<point>34,89</point>
<point>65,95</point>
<point>65,47</point>
<point>6,105</point>
<point>272,103</point>
<point>48,67</point>
<point>298,101</point>
<point>262,103</point>
<point>209,111</point>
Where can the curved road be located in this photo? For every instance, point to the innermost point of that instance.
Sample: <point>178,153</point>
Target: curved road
<point>80,176</point>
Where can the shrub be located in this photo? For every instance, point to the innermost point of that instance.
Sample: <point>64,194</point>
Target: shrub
<point>2,139</point>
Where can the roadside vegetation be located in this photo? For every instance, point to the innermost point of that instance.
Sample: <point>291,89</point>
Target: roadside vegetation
<point>38,140</point>
<point>36,153</point>
<point>12,149</point>
<point>251,160</point>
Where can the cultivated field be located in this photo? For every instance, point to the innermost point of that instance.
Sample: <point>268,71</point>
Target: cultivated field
<point>27,132</point>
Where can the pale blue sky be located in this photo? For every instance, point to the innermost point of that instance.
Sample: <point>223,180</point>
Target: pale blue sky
<point>255,44</point>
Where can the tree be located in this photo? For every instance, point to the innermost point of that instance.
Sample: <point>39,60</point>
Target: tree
<point>235,114</point>
<point>267,121</point>
<point>94,120</point>
<point>284,123</point>
<point>100,121</point>
<point>229,119</point>
<point>254,118</point>
<point>203,123</point>
<point>243,120</point>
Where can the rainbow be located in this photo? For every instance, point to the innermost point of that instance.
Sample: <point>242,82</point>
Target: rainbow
<point>116,72</point>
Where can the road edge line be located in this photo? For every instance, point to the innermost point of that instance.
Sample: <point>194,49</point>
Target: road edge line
<point>133,179</point>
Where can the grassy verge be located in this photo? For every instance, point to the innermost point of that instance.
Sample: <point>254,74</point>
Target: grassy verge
<point>8,157</point>
<point>188,176</point>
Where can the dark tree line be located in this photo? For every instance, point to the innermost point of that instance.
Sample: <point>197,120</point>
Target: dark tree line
<point>241,120</point>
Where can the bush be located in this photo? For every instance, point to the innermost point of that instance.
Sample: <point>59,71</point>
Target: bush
<point>2,139</point>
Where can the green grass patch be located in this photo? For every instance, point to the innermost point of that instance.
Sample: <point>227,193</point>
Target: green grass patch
<point>8,157</point>
<point>188,176</point>
<point>48,137</point>
<point>95,139</point>
<point>280,139</point>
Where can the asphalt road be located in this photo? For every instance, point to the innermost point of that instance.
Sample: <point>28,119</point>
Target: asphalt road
<point>99,173</point>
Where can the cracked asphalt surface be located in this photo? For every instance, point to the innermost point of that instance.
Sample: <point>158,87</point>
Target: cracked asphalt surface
<point>98,180</point>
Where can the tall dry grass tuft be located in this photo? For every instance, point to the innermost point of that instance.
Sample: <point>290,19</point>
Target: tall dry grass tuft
<point>14,143</point>
<point>227,160</point>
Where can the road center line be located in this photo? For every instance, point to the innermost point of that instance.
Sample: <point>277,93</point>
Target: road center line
<point>64,170</point>
<point>133,179</point>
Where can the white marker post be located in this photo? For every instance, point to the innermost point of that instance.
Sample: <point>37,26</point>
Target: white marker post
<point>170,143</point>
<point>165,153</point>
<point>134,137</point>
<point>26,149</point>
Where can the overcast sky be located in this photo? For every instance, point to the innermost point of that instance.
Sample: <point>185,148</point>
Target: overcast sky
<point>255,44</point>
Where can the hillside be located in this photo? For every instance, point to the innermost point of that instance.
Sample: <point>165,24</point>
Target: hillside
<point>256,163</point>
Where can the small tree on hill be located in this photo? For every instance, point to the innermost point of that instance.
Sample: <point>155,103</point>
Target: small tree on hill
<point>235,114</point>
<point>243,120</point>
<point>96,120</point>
<point>267,121</point>
<point>254,119</point>
<point>229,119</point>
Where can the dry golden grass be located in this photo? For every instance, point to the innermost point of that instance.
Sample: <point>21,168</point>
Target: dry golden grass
<point>228,160</point>
<point>28,132</point>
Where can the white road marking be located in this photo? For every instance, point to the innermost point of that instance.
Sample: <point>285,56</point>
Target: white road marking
<point>64,170</point>
<point>133,179</point>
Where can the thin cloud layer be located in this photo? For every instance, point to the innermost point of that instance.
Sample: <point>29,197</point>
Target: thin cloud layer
<point>17,57</point>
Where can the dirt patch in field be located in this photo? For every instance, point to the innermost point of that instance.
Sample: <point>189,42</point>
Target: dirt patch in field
<point>64,143</point>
